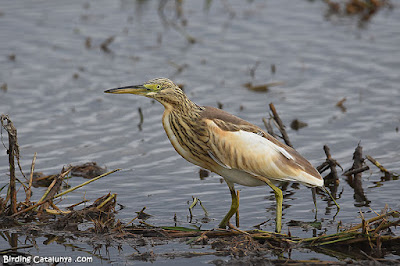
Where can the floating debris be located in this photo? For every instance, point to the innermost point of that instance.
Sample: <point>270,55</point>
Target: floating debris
<point>12,57</point>
<point>261,87</point>
<point>88,170</point>
<point>363,9</point>
<point>41,180</point>
<point>88,42</point>
<point>4,87</point>
<point>141,118</point>
<point>297,124</point>
<point>104,45</point>
<point>273,69</point>
<point>203,173</point>
<point>252,70</point>
<point>340,104</point>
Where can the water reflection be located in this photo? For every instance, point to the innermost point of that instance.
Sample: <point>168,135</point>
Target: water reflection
<point>359,195</point>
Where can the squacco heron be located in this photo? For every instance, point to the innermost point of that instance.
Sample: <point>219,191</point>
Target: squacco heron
<point>237,150</point>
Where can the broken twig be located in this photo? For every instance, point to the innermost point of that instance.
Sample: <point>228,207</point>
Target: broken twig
<point>356,171</point>
<point>332,165</point>
<point>268,126</point>
<point>383,169</point>
<point>280,125</point>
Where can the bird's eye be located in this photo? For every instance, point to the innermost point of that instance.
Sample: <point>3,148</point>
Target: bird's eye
<point>158,87</point>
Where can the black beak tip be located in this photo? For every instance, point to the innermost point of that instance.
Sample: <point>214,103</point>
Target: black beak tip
<point>111,90</point>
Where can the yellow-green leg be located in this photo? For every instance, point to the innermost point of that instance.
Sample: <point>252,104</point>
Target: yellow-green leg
<point>233,210</point>
<point>279,200</point>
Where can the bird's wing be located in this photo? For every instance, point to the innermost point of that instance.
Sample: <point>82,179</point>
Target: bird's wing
<point>235,143</point>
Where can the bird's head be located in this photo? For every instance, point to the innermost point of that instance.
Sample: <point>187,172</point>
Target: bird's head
<point>160,89</point>
<point>156,88</point>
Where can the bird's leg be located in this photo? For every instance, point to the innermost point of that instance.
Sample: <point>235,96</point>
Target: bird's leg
<point>279,200</point>
<point>232,211</point>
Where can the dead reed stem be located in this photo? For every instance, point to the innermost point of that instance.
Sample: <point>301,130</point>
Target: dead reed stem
<point>12,151</point>
<point>85,183</point>
<point>29,191</point>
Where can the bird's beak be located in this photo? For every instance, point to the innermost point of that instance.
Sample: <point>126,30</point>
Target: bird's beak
<point>137,89</point>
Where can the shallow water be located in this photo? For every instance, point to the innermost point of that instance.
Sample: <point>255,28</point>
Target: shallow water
<point>56,101</point>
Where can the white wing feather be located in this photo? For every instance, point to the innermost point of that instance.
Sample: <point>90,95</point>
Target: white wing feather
<point>256,155</point>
